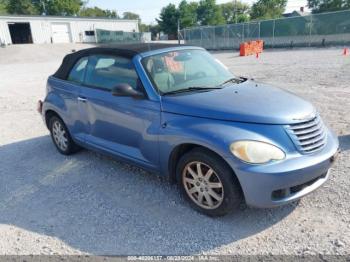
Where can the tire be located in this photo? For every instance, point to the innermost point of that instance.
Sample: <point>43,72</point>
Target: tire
<point>61,137</point>
<point>199,191</point>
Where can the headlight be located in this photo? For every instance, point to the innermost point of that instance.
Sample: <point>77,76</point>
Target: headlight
<point>256,152</point>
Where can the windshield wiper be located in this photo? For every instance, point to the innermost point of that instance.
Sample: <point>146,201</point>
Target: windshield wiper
<point>233,80</point>
<point>190,89</point>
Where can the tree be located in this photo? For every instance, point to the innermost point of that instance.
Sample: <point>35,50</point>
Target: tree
<point>168,18</point>
<point>59,7</point>
<point>268,9</point>
<point>209,13</point>
<point>144,27</point>
<point>155,30</point>
<point>131,16</point>
<point>235,12</point>
<point>319,6</point>
<point>97,12</point>
<point>111,13</point>
<point>188,13</point>
<point>3,7</point>
<point>21,7</point>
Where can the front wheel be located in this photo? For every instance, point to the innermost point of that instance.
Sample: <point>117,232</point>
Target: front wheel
<point>208,183</point>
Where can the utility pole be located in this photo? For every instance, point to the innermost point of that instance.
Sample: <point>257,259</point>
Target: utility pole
<point>44,7</point>
<point>178,31</point>
<point>236,12</point>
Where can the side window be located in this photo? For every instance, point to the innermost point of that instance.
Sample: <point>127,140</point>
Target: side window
<point>108,71</point>
<point>77,73</point>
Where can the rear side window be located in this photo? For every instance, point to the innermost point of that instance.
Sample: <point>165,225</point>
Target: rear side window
<point>78,71</point>
<point>106,72</point>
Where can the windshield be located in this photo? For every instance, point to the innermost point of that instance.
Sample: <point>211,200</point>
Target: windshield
<point>185,70</point>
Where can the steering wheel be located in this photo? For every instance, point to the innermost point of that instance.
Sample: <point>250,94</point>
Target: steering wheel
<point>200,74</point>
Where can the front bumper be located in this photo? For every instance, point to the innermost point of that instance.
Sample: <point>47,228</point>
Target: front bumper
<point>282,182</point>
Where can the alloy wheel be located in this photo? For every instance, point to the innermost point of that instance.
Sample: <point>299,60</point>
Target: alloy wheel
<point>60,135</point>
<point>203,185</point>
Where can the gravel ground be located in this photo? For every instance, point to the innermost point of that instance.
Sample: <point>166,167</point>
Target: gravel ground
<point>89,203</point>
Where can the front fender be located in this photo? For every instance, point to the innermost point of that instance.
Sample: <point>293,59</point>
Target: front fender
<point>215,135</point>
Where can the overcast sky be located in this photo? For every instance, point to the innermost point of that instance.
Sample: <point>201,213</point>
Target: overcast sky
<point>149,9</point>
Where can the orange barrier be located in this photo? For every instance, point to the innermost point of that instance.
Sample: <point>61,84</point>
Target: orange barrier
<point>172,65</point>
<point>251,47</point>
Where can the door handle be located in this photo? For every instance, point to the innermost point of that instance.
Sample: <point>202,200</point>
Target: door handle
<point>82,99</point>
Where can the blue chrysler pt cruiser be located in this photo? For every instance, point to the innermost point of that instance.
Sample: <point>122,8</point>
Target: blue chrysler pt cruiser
<point>178,111</point>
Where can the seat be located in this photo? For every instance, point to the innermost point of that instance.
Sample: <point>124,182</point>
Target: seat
<point>163,79</point>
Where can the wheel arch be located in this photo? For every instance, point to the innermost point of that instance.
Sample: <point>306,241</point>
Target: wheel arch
<point>50,113</point>
<point>182,149</point>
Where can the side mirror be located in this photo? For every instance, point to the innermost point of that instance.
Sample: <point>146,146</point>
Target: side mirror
<point>126,90</point>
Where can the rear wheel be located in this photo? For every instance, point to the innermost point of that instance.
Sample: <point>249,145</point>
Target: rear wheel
<point>208,183</point>
<point>61,137</point>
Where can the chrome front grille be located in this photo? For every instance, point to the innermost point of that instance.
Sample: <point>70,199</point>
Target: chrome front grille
<point>308,136</point>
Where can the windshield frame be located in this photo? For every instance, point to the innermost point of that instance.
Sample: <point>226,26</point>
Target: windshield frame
<point>144,55</point>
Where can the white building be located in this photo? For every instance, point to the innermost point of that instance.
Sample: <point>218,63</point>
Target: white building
<point>56,29</point>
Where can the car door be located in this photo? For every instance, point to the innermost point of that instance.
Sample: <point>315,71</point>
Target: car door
<point>69,90</point>
<point>124,126</point>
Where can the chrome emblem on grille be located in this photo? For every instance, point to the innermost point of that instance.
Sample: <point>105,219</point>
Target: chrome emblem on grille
<point>306,118</point>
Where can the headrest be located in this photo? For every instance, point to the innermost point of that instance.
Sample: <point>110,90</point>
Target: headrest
<point>158,66</point>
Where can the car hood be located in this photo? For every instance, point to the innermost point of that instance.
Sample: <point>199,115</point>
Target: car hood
<point>245,102</point>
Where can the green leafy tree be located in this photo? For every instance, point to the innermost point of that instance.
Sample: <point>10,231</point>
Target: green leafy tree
<point>268,9</point>
<point>155,30</point>
<point>188,13</point>
<point>168,19</point>
<point>209,13</point>
<point>235,12</point>
<point>131,16</point>
<point>97,12</point>
<point>21,7</point>
<point>144,27</point>
<point>111,13</point>
<point>3,7</point>
<point>319,6</point>
<point>59,7</point>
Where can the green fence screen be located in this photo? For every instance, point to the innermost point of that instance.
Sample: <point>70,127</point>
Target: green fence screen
<point>298,31</point>
<point>119,37</point>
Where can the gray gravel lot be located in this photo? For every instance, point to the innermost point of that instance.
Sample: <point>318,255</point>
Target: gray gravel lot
<point>89,203</point>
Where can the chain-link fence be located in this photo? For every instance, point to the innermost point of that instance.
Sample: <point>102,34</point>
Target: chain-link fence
<point>297,31</point>
<point>119,37</point>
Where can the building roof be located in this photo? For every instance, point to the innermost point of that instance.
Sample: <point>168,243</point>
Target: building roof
<point>53,17</point>
<point>125,50</point>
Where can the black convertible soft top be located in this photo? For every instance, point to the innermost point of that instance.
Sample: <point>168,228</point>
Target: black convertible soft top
<point>127,50</point>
